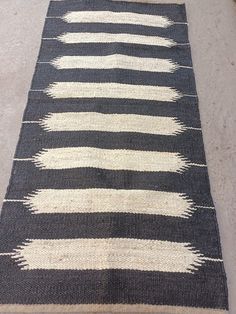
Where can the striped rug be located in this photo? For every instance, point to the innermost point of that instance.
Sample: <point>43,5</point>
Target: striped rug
<point>109,207</point>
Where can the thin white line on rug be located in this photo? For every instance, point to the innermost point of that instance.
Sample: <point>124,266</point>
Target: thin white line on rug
<point>183,44</point>
<point>94,121</point>
<point>188,95</point>
<point>23,159</point>
<point>31,122</point>
<point>109,253</point>
<point>207,207</point>
<point>197,165</point>
<point>13,201</point>
<point>111,159</point>
<point>212,259</point>
<point>196,129</point>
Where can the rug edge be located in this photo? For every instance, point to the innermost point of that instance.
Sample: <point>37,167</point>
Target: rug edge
<point>106,308</point>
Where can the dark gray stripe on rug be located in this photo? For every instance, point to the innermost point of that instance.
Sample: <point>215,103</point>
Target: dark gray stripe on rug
<point>109,206</point>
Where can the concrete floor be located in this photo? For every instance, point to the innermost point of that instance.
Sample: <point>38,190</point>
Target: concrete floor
<point>212,28</point>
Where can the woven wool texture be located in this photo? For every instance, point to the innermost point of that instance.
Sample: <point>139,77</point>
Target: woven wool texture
<point>109,209</point>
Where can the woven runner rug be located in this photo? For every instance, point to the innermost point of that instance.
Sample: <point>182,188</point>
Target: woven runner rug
<point>109,207</point>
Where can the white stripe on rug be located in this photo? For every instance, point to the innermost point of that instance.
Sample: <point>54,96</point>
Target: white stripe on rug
<point>111,90</point>
<point>112,159</point>
<point>109,200</point>
<point>95,121</point>
<point>117,18</point>
<point>115,61</point>
<point>109,253</point>
<point>79,38</point>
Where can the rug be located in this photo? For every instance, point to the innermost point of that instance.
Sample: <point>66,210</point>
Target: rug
<point>109,206</point>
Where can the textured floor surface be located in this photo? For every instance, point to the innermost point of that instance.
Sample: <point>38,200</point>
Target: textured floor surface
<point>212,27</point>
